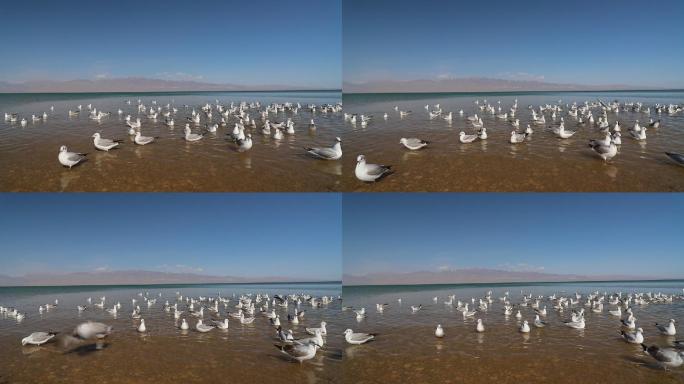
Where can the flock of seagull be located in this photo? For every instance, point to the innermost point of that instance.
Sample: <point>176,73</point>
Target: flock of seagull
<point>589,115</point>
<point>208,312</point>
<point>572,307</point>
<point>213,116</point>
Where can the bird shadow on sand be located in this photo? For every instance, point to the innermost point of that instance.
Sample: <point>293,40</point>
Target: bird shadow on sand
<point>87,349</point>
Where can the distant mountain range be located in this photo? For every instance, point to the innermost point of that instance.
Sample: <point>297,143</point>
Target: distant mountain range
<point>135,277</point>
<point>474,275</point>
<point>473,84</point>
<point>135,84</point>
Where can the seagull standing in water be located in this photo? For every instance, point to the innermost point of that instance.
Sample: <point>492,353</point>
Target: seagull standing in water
<point>439,332</point>
<point>38,338</point>
<point>668,329</point>
<point>300,352</point>
<point>636,337</point>
<point>413,143</point>
<point>479,327</point>
<point>69,159</point>
<point>370,172</point>
<point>357,338</point>
<point>142,140</point>
<point>189,136</point>
<point>606,152</point>
<point>104,144</point>
<point>327,153</point>
<point>668,358</point>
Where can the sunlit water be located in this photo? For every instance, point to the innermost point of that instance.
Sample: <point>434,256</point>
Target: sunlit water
<point>543,163</point>
<point>406,348</point>
<point>29,154</point>
<point>164,353</point>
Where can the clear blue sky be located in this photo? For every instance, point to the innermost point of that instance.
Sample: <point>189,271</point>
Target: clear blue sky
<point>243,42</point>
<point>251,235</point>
<point>588,42</point>
<point>635,234</point>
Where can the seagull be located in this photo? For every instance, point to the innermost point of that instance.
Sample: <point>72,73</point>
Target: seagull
<point>69,159</point>
<point>370,172</point>
<point>562,133</point>
<point>538,322</point>
<point>142,140</point>
<point>221,324</point>
<point>318,339</point>
<point>184,325</point>
<point>668,329</point>
<point>312,331</point>
<point>605,142</point>
<point>416,308</point>
<point>300,352</point>
<point>466,138</point>
<point>517,137</point>
<point>104,144</point>
<point>189,136</point>
<point>482,134</point>
<point>245,144</point>
<point>141,327</point>
<point>327,153</point>
<point>606,152</point>
<point>665,356</point>
<point>579,324</point>
<point>439,332</point>
<point>357,338</point>
<point>91,330</point>
<point>525,328</point>
<point>203,328</point>
<point>479,327</point>
<point>413,143</point>
<point>629,323</point>
<point>38,338</point>
<point>676,157</point>
<point>636,337</point>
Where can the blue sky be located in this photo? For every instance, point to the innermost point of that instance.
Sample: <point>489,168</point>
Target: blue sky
<point>633,234</point>
<point>241,42</point>
<point>586,42</point>
<point>249,235</point>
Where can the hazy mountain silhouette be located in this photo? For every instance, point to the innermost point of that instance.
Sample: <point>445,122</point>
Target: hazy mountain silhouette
<point>474,275</point>
<point>134,277</point>
<point>135,84</point>
<point>471,84</point>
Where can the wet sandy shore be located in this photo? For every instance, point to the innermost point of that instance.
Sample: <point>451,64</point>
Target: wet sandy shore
<point>543,163</point>
<point>164,353</point>
<point>213,164</point>
<point>406,349</point>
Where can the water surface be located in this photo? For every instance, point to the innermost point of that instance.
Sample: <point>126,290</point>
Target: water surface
<point>406,349</point>
<point>164,353</point>
<point>29,154</point>
<point>543,163</point>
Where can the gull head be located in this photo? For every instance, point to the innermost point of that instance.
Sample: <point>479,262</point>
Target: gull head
<point>96,135</point>
<point>402,141</point>
<point>337,139</point>
<point>63,148</point>
<point>359,158</point>
<point>348,331</point>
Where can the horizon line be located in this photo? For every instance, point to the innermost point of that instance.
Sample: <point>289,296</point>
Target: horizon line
<point>515,282</point>
<point>175,284</point>
<point>515,92</point>
<point>179,91</point>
